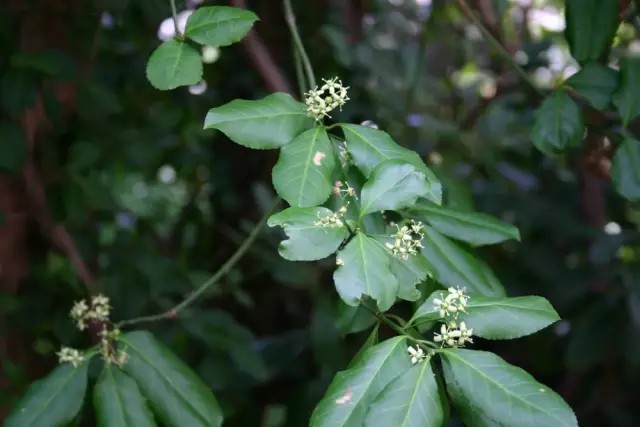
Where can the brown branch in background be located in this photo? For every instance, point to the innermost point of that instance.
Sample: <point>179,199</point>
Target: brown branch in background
<point>264,63</point>
<point>354,15</point>
<point>488,17</point>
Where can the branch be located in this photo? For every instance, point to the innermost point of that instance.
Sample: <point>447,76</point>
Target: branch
<point>290,17</point>
<point>222,271</point>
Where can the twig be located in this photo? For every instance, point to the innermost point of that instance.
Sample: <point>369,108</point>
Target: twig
<point>175,19</point>
<point>263,61</point>
<point>464,8</point>
<point>222,271</point>
<point>290,17</point>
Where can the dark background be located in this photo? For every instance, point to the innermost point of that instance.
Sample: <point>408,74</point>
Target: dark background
<point>109,184</point>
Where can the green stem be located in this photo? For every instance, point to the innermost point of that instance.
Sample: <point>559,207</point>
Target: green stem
<point>175,19</point>
<point>290,17</point>
<point>302,83</point>
<point>499,47</point>
<point>222,271</point>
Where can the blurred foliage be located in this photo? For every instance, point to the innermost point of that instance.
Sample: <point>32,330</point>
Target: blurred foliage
<point>155,203</point>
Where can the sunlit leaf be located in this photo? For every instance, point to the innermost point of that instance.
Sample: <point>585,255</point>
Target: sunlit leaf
<point>219,25</point>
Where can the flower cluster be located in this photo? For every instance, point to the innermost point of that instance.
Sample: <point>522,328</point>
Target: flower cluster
<point>449,306</point>
<point>340,188</point>
<point>321,101</point>
<point>70,355</point>
<point>331,220</point>
<point>407,240</point>
<point>99,311</point>
<point>454,335</point>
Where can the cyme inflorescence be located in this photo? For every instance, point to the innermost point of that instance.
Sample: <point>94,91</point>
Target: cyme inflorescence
<point>97,312</point>
<point>449,307</point>
<point>321,101</point>
<point>331,220</point>
<point>407,240</point>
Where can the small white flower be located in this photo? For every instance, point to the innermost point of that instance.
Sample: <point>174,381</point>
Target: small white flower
<point>321,101</point>
<point>339,262</point>
<point>70,355</point>
<point>416,354</point>
<point>407,240</point>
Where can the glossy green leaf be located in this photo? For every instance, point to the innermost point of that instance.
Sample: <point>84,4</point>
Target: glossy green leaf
<point>365,270</point>
<point>454,266</point>
<point>347,400</point>
<point>626,98</point>
<point>13,148</point>
<point>411,400</point>
<point>409,272</point>
<point>558,124</point>
<point>625,169</point>
<point>351,320</point>
<point>590,28</point>
<point>219,25</point>
<point>595,83</point>
<point>392,185</point>
<point>307,242</point>
<point>302,175</point>
<point>173,64</point>
<point>118,401</point>
<point>52,401</point>
<point>270,122</point>
<point>495,318</point>
<point>369,147</point>
<point>487,391</point>
<point>176,394</point>
<point>372,339</point>
<point>472,227</point>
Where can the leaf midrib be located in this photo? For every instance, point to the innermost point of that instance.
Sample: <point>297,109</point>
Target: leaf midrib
<point>467,219</point>
<point>118,397</point>
<point>66,380</point>
<point>193,28</point>
<point>305,171</point>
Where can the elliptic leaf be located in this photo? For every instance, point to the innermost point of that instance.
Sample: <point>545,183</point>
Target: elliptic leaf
<point>176,394</point>
<point>392,185</point>
<point>172,64</point>
<point>495,318</point>
<point>487,391</point>
<point>596,83</point>
<point>270,122</point>
<point>558,124</point>
<point>454,266</point>
<point>411,400</point>
<point>302,175</point>
<point>13,148</point>
<point>347,400</point>
<point>369,147</point>
<point>590,28</point>
<point>219,25</point>
<point>307,242</point>
<point>118,401</point>
<point>364,269</point>
<point>471,227</point>
<point>625,170</point>
<point>54,400</point>
<point>625,98</point>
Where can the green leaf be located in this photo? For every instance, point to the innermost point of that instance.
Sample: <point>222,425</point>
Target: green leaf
<point>219,25</point>
<point>590,28</point>
<point>302,175</point>
<point>409,272</point>
<point>369,147</point>
<point>558,124</point>
<point>13,148</point>
<point>118,401</point>
<point>625,169</point>
<point>352,391</point>
<point>596,83</point>
<point>471,227</point>
<point>372,339</point>
<point>365,270</point>
<point>411,400</point>
<point>173,64</point>
<point>625,98</point>
<point>454,266</point>
<point>351,320</point>
<point>487,391</point>
<point>392,185</point>
<point>270,122</point>
<point>176,394</point>
<point>307,242</point>
<point>52,401</point>
<point>495,318</point>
